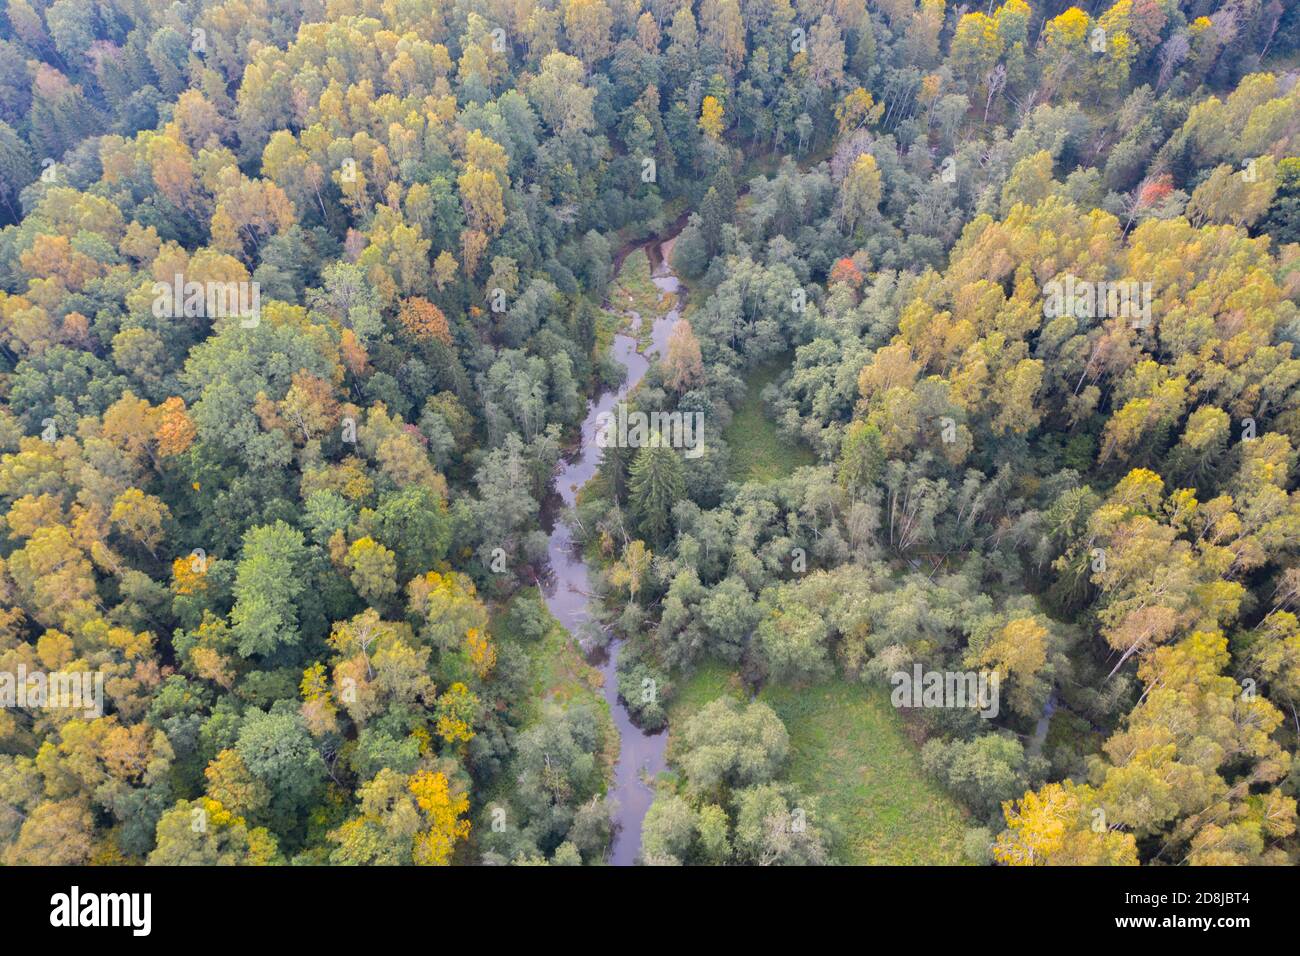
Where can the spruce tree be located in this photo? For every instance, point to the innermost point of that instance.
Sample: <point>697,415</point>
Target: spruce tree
<point>657,483</point>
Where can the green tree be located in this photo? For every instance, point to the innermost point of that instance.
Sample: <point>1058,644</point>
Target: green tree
<point>727,745</point>
<point>270,583</point>
<point>656,483</point>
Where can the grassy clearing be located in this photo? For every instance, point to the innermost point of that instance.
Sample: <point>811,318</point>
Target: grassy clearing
<point>633,290</point>
<point>607,326</point>
<point>848,748</point>
<point>560,675</point>
<point>759,450</point>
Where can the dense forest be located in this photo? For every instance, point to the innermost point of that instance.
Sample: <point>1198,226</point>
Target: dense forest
<point>987,314</point>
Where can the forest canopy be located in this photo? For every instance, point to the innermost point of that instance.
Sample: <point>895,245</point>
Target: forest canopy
<point>971,339</point>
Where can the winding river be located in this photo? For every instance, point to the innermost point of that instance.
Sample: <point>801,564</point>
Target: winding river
<point>641,755</point>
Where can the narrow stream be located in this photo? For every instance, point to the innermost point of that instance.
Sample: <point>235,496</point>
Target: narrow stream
<point>641,755</point>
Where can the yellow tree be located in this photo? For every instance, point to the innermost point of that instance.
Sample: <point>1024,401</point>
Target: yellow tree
<point>857,109</point>
<point>176,431</point>
<point>587,23</point>
<point>442,815</point>
<point>448,607</point>
<point>456,710</point>
<point>247,212</point>
<point>1057,826</point>
<point>860,192</point>
<point>140,517</point>
<point>483,196</point>
<point>711,122</point>
<point>482,655</point>
<point>373,569</point>
<point>444,269</point>
<point>1018,652</point>
<point>976,46</point>
<point>424,320</point>
<point>683,366</point>
<point>1065,46</point>
<point>630,572</point>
